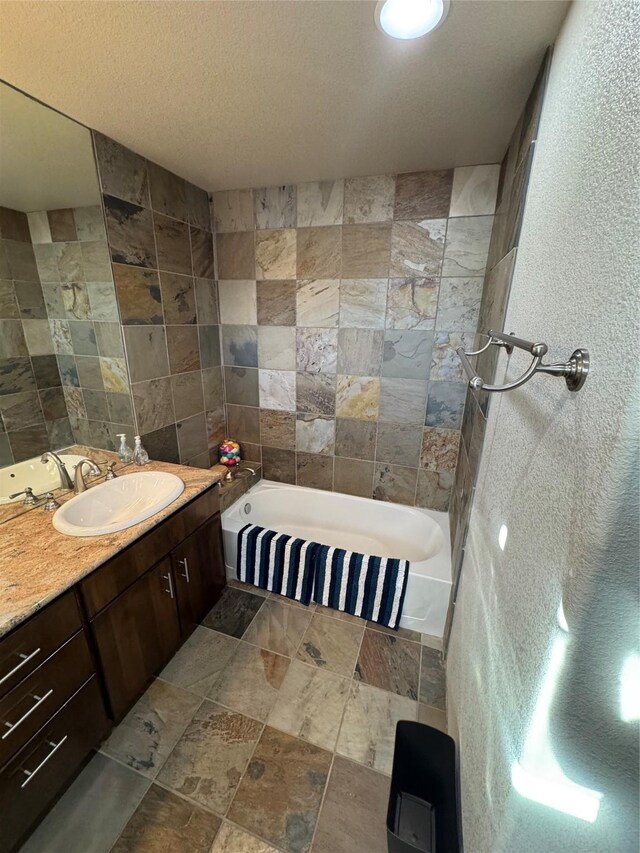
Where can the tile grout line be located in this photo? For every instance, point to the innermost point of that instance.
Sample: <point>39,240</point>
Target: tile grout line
<point>186,799</point>
<point>165,786</point>
<point>349,694</point>
<point>214,702</point>
<point>246,767</point>
<point>253,835</point>
<point>322,799</point>
<point>264,726</point>
<point>309,665</point>
<point>166,758</point>
<point>335,748</point>
<point>329,615</point>
<point>338,731</point>
<point>155,779</point>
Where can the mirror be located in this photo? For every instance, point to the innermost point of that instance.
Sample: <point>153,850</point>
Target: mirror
<point>58,308</point>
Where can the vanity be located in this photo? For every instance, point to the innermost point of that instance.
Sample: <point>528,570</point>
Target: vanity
<point>85,624</point>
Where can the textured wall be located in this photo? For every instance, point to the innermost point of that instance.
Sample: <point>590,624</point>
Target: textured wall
<point>341,304</point>
<point>33,412</point>
<point>505,235</point>
<point>161,245</point>
<point>555,514</point>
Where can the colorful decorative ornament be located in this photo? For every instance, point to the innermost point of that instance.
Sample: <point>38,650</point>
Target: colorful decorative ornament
<point>229,452</point>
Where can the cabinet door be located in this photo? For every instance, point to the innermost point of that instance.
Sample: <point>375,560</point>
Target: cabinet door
<point>136,635</point>
<point>200,573</point>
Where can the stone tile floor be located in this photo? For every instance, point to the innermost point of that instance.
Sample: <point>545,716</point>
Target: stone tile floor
<point>270,730</point>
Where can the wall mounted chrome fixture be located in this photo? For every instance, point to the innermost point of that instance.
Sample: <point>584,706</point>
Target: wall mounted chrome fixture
<point>575,371</point>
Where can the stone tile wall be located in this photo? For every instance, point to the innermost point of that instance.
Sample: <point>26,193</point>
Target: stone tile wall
<point>161,246</point>
<point>73,262</point>
<point>33,412</point>
<point>341,305</point>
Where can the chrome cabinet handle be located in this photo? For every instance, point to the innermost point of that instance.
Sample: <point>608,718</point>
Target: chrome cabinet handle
<point>25,659</point>
<point>185,574</point>
<point>31,773</point>
<point>168,579</point>
<point>13,726</point>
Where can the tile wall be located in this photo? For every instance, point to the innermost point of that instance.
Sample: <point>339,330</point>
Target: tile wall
<point>341,305</point>
<point>33,412</point>
<point>512,190</point>
<point>161,247</point>
<point>74,267</point>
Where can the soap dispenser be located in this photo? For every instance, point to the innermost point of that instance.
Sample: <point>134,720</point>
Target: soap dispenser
<point>140,455</point>
<point>124,451</point>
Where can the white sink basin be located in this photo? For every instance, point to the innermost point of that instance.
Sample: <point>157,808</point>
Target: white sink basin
<point>117,504</point>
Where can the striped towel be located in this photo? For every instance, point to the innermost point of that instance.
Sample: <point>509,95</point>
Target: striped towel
<point>366,586</point>
<point>277,562</point>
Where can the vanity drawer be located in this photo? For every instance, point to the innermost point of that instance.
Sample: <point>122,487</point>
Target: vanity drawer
<point>33,778</point>
<point>30,644</point>
<point>36,699</point>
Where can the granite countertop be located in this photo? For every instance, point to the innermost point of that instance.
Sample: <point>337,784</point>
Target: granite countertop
<point>37,563</point>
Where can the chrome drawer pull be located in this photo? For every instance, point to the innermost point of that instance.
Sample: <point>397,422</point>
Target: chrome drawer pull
<point>25,659</point>
<point>167,577</point>
<point>185,574</point>
<point>13,726</point>
<point>31,773</point>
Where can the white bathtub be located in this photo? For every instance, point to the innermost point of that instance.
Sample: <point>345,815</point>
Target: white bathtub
<point>357,524</point>
<point>40,477</point>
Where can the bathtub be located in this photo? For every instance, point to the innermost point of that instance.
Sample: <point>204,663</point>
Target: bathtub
<point>40,477</point>
<point>356,524</point>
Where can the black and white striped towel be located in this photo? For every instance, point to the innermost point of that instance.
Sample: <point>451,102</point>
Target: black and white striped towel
<point>366,586</point>
<point>277,562</point>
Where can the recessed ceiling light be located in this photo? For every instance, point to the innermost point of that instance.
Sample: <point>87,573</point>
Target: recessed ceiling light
<point>410,19</point>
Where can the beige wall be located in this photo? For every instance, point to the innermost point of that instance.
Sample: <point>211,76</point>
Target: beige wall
<point>538,711</point>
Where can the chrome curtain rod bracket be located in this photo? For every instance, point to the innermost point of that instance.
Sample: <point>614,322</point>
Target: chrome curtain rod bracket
<point>574,371</point>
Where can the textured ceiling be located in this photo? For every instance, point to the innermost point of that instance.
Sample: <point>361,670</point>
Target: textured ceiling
<point>234,94</point>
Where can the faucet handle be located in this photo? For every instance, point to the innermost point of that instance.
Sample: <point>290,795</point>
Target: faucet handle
<point>51,504</point>
<point>111,474</point>
<point>29,498</point>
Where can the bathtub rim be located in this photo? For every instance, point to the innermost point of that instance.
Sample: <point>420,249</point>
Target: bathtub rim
<point>437,568</point>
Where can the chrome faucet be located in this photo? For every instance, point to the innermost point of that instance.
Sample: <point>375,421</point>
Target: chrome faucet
<point>65,479</point>
<point>79,484</point>
<point>234,473</point>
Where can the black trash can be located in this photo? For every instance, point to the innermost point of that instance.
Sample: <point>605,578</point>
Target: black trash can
<point>423,811</point>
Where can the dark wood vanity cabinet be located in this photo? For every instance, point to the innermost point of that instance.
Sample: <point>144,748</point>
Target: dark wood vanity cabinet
<point>34,778</point>
<point>136,635</point>
<point>176,574</point>
<point>79,664</point>
<point>198,566</point>
<point>51,713</point>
